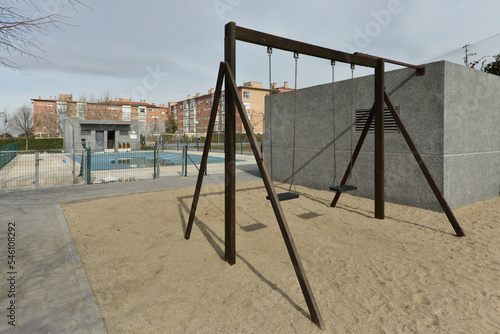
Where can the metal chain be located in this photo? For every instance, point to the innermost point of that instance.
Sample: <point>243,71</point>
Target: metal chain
<point>353,119</point>
<point>333,126</point>
<point>269,52</point>
<point>296,57</point>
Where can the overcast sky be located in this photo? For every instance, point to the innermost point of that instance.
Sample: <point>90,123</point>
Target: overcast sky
<point>162,51</point>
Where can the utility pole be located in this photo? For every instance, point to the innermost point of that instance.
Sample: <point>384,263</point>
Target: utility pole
<point>467,54</point>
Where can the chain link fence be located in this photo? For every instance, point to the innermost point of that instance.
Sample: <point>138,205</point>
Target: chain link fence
<point>35,168</point>
<point>477,54</point>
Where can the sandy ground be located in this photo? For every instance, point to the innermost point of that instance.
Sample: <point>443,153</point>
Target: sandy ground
<point>405,274</point>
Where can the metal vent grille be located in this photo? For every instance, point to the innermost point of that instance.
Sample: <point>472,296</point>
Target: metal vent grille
<point>389,122</point>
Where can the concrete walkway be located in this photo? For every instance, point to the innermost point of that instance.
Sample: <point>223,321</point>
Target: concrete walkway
<point>47,284</point>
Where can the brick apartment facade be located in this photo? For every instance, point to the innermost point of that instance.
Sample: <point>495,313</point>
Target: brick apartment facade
<point>49,113</point>
<point>193,114</point>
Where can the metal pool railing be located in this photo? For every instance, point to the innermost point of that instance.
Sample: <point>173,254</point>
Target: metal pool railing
<point>242,147</point>
<point>35,169</point>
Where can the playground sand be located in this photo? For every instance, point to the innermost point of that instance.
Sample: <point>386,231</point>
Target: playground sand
<point>405,274</point>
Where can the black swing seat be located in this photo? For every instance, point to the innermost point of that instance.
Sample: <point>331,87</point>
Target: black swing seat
<point>285,196</point>
<point>344,188</point>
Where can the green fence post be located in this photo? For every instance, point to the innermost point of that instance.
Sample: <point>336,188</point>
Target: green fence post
<point>158,161</point>
<point>154,162</point>
<point>37,169</point>
<point>241,146</point>
<point>261,148</point>
<point>186,162</point>
<point>89,169</point>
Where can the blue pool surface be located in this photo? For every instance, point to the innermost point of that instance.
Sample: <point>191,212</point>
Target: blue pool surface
<point>126,160</point>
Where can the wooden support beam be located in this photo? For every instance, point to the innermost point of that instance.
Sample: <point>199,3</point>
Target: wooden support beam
<point>357,58</point>
<point>425,170</point>
<point>354,157</point>
<point>206,148</point>
<point>260,38</point>
<point>278,212</point>
<point>230,150</point>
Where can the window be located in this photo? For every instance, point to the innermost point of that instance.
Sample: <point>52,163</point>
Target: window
<point>126,117</point>
<point>246,95</point>
<point>247,105</point>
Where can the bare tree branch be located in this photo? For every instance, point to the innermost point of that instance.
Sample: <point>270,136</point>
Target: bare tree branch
<point>19,32</point>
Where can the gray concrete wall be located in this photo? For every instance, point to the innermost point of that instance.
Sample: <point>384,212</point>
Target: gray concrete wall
<point>425,110</point>
<point>472,135</point>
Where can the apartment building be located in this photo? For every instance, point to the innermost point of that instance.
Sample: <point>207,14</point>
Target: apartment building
<point>193,114</point>
<point>50,113</point>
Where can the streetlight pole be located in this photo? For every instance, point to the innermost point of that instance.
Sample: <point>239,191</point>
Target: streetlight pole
<point>66,118</point>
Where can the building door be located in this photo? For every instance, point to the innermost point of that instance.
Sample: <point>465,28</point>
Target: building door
<point>111,140</point>
<point>99,140</point>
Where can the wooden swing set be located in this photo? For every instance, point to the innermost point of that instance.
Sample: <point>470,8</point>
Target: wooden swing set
<point>233,102</point>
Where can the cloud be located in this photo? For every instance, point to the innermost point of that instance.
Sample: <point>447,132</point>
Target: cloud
<point>110,45</point>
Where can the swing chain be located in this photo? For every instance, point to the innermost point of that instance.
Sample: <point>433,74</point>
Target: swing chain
<point>353,119</point>
<point>269,52</point>
<point>296,57</point>
<point>333,127</point>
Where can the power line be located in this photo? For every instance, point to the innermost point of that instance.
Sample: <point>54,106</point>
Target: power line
<point>470,53</point>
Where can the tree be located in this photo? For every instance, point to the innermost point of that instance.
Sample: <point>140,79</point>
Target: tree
<point>19,32</point>
<point>154,128</point>
<point>493,67</point>
<point>171,125</point>
<point>102,108</point>
<point>24,121</point>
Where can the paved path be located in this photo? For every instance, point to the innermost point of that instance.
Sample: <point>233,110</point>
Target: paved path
<point>48,284</point>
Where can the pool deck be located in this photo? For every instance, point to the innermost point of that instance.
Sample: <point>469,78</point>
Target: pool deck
<point>50,289</point>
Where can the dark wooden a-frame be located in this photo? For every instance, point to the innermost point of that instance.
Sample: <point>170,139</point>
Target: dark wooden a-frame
<point>233,102</point>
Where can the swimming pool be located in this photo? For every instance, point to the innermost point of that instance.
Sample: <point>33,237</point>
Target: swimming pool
<point>130,160</point>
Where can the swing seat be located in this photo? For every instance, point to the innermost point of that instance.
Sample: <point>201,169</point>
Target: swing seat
<point>344,188</point>
<point>285,196</point>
